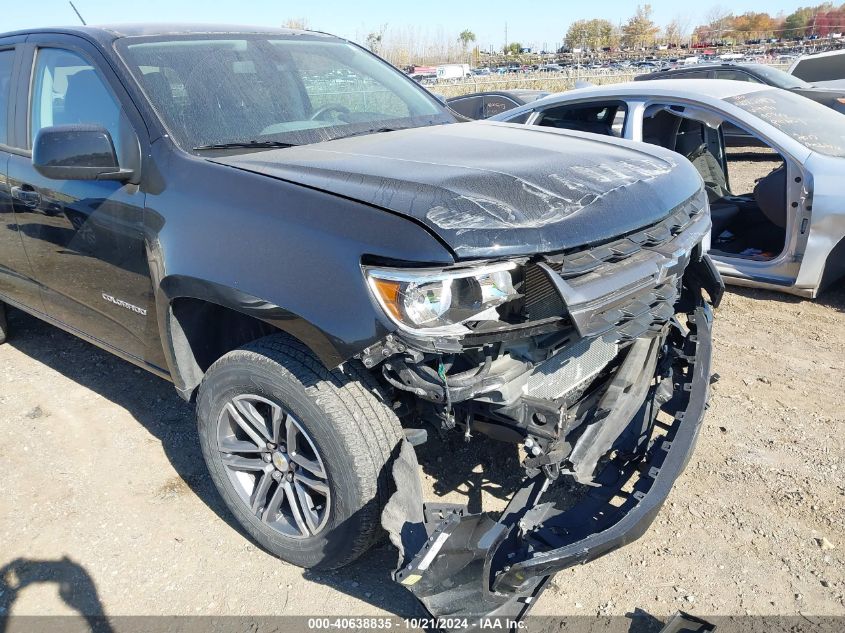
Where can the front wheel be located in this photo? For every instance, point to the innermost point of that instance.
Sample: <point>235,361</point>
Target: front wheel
<point>301,455</point>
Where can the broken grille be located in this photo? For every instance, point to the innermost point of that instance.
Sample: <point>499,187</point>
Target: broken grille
<point>581,262</point>
<point>641,314</point>
<point>629,286</point>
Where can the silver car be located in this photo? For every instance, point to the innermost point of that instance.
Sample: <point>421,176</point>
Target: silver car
<point>777,201</point>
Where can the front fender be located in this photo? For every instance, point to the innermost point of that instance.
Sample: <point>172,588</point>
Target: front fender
<point>329,349</point>
<point>282,253</point>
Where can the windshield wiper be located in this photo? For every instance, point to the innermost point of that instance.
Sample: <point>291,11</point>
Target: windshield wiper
<point>375,130</point>
<point>245,144</point>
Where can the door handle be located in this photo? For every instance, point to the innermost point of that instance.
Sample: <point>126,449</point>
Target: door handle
<point>27,195</point>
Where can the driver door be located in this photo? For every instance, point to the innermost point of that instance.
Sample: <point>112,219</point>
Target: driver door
<point>84,239</point>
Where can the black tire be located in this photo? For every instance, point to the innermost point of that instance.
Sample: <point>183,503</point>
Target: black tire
<point>4,327</point>
<point>342,411</point>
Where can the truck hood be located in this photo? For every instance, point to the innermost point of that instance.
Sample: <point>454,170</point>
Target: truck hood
<point>493,189</point>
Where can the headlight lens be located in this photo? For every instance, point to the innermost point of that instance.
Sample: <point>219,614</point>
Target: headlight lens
<point>441,300</point>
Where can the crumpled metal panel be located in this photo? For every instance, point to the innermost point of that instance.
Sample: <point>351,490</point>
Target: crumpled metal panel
<point>492,189</point>
<point>632,297</point>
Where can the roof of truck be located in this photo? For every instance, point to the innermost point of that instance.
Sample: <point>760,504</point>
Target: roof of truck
<point>107,33</point>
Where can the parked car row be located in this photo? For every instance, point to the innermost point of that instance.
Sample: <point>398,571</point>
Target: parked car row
<point>759,74</point>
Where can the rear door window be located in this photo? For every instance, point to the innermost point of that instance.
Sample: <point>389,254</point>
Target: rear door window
<point>692,74</point>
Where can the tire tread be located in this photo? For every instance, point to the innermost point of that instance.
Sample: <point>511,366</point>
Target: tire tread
<point>347,393</point>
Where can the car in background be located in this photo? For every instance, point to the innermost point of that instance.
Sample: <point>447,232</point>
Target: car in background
<point>762,74</point>
<point>783,230</point>
<point>822,69</point>
<point>483,105</point>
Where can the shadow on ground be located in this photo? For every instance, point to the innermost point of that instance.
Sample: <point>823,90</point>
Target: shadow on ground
<point>75,586</point>
<point>153,402</point>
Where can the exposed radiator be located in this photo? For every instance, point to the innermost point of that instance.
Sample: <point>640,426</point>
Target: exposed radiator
<point>571,367</point>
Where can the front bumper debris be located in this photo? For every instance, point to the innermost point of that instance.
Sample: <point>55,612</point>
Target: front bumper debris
<point>685,623</point>
<point>472,566</point>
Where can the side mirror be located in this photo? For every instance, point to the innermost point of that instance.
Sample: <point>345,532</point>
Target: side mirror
<point>77,152</point>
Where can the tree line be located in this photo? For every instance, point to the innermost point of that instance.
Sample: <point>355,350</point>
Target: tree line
<point>640,30</point>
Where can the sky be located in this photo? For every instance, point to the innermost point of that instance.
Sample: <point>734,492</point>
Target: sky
<point>539,23</point>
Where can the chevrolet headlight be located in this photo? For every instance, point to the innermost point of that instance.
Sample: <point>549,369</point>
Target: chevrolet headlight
<point>437,301</point>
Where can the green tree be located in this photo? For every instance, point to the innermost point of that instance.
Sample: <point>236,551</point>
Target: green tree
<point>514,48</point>
<point>592,34</point>
<point>640,30</point>
<point>375,38</point>
<point>799,22</point>
<point>466,38</point>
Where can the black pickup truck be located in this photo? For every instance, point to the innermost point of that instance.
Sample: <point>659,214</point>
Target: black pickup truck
<point>311,248</point>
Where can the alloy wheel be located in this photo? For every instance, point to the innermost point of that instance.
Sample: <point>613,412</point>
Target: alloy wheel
<point>274,466</point>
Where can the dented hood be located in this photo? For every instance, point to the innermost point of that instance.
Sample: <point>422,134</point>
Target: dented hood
<point>493,189</point>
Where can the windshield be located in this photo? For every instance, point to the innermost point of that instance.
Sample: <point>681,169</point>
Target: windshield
<point>813,125</point>
<point>780,79</point>
<point>267,90</point>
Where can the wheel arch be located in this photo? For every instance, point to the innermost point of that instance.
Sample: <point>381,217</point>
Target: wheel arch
<point>200,321</point>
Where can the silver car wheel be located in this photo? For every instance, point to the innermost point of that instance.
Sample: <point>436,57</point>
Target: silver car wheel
<point>274,466</point>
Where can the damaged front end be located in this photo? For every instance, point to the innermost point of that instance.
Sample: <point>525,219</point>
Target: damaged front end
<point>596,361</point>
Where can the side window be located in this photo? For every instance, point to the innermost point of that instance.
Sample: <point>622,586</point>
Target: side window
<point>607,119</point>
<point>521,118</point>
<point>7,57</point>
<point>469,107</point>
<point>820,68</point>
<point>494,105</point>
<point>701,74</point>
<point>736,75</point>
<point>66,89</point>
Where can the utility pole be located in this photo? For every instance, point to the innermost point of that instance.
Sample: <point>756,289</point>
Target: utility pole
<point>505,49</point>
